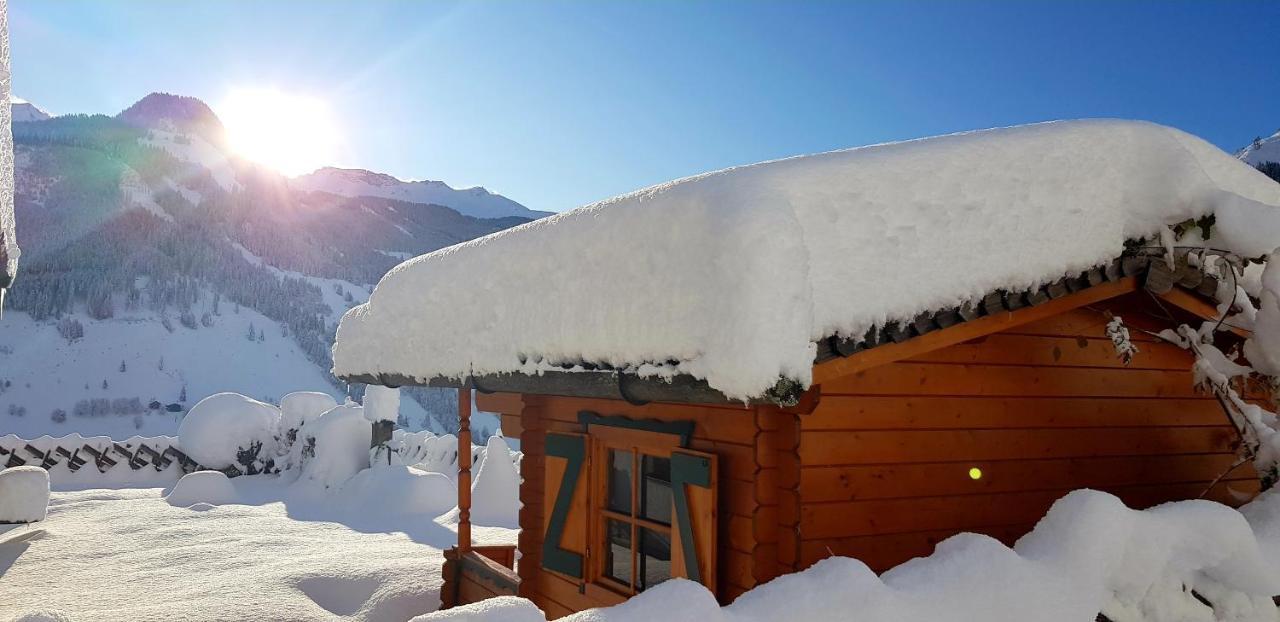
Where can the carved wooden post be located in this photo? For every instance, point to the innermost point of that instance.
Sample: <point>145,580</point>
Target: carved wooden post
<point>464,470</point>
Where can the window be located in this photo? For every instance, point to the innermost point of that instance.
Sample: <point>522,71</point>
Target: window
<point>637,519</point>
<point>628,507</point>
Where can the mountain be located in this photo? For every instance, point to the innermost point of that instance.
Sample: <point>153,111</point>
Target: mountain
<point>159,268</point>
<point>476,201</point>
<point>163,111</point>
<point>1261,150</point>
<point>25,111</point>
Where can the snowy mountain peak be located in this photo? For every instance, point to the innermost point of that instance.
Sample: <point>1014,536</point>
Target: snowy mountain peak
<point>477,201</point>
<point>165,111</point>
<point>25,111</point>
<point>1262,150</point>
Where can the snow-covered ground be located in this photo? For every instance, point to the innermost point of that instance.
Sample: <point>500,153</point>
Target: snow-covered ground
<point>128,555</point>
<point>294,546</point>
<point>41,371</point>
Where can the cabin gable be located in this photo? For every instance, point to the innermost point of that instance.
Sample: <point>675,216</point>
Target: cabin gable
<point>983,435</point>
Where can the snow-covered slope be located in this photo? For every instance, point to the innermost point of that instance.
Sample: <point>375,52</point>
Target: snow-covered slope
<point>194,149</point>
<point>476,201</point>
<point>732,276</point>
<point>40,371</point>
<point>24,111</point>
<point>1262,150</point>
<point>147,214</point>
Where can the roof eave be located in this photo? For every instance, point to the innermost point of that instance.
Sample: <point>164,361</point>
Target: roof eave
<point>611,385</point>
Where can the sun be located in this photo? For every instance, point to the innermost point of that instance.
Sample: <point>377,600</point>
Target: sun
<point>290,132</point>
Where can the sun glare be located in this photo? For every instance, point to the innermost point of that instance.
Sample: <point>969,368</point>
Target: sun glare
<point>291,133</point>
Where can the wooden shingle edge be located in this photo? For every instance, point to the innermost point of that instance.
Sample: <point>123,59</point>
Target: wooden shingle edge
<point>868,358</point>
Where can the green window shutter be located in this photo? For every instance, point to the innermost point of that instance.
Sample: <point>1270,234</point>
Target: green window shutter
<point>564,541</point>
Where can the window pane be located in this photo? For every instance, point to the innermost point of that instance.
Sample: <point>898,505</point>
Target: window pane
<point>620,481</point>
<point>617,563</point>
<point>655,496</point>
<point>655,558</point>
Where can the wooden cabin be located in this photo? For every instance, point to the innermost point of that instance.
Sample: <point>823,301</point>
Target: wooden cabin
<point>970,419</point>
<point>859,353</point>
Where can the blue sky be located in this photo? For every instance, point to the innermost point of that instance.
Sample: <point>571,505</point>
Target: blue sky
<point>560,104</point>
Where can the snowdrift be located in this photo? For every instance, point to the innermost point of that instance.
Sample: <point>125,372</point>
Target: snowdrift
<point>731,276</point>
<point>1089,554</point>
<point>210,487</point>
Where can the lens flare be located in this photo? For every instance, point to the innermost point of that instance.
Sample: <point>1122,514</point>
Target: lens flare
<point>290,132</point>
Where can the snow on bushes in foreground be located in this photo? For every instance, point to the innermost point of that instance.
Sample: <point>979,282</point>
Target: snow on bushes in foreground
<point>221,426</point>
<point>302,544</point>
<point>1089,554</point>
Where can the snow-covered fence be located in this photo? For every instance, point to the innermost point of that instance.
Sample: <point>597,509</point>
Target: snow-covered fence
<point>438,453</point>
<point>75,459</point>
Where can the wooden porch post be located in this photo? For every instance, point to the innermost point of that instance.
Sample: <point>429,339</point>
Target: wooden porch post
<point>464,470</point>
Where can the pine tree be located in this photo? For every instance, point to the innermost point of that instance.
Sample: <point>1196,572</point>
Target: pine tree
<point>104,384</point>
<point>122,367</point>
<point>182,396</point>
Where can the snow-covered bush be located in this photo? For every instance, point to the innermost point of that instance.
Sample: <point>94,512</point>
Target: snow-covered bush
<point>229,429</point>
<point>1215,370</point>
<point>334,447</point>
<point>212,487</point>
<point>24,494</point>
<point>299,407</point>
<point>495,495</point>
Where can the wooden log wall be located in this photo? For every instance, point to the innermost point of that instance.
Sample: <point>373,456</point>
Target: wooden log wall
<point>759,498</point>
<point>1041,409</point>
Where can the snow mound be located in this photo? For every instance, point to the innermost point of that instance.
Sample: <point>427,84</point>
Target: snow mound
<point>381,403</point>
<point>495,495</point>
<point>400,490</point>
<point>334,447</point>
<point>220,426</point>
<point>731,276</point>
<point>209,487</point>
<point>299,407</point>
<point>505,608</point>
<point>24,494</point>
<point>1089,554</point>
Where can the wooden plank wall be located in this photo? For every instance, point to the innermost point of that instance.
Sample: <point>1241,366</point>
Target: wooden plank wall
<point>758,492</point>
<point>1042,409</point>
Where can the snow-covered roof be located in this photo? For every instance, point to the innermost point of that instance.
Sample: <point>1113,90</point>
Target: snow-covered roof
<point>731,277</point>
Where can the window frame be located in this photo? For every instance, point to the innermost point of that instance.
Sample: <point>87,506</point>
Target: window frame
<point>603,439</point>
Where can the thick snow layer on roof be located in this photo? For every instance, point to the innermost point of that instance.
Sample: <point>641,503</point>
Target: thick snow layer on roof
<point>731,276</point>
